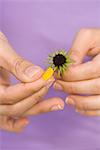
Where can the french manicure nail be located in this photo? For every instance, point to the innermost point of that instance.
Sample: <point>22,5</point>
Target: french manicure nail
<point>57,86</point>
<point>70,101</point>
<point>56,107</point>
<point>66,100</point>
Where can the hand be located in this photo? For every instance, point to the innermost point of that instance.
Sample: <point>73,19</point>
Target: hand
<point>83,77</point>
<point>26,98</point>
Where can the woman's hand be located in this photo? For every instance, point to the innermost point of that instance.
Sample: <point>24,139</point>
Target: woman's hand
<point>83,77</point>
<point>22,69</point>
<point>25,98</point>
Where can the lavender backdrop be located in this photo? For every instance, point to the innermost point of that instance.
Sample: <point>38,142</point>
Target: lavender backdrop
<point>35,28</point>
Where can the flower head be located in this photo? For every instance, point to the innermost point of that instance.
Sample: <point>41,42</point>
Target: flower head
<point>59,61</point>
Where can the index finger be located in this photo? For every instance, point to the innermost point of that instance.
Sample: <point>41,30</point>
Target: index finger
<point>81,45</point>
<point>85,71</point>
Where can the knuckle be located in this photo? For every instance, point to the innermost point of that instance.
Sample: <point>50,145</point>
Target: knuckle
<point>38,97</point>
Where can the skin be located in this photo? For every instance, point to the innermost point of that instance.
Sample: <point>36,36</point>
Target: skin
<point>83,77</point>
<point>25,98</point>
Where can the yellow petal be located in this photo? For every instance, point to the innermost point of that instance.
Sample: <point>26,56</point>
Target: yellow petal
<point>48,73</point>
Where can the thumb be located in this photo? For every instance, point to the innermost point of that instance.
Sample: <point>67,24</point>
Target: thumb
<point>81,45</point>
<point>23,70</point>
<point>26,71</point>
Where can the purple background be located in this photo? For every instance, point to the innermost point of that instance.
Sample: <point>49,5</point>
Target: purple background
<point>35,28</point>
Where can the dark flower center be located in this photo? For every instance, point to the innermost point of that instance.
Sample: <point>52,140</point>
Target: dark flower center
<point>59,60</point>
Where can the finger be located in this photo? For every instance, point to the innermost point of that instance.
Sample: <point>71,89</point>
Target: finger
<point>84,102</point>
<point>81,45</point>
<point>52,104</point>
<point>19,108</point>
<point>57,76</point>
<point>10,124</point>
<point>23,70</point>
<point>80,87</point>
<point>3,37</point>
<point>89,112</point>
<point>83,71</point>
<point>20,91</point>
<point>94,51</point>
<point>5,78</point>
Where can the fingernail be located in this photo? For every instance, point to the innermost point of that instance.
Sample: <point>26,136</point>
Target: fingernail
<point>57,86</point>
<point>32,71</point>
<point>49,85</point>
<point>69,101</point>
<point>66,100</point>
<point>56,107</point>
